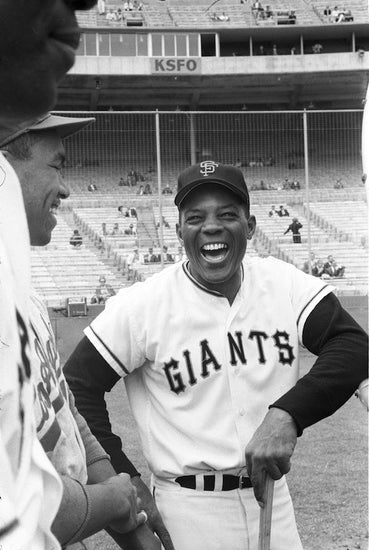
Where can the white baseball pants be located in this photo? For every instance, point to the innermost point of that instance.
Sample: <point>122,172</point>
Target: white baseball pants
<point>229,520</point>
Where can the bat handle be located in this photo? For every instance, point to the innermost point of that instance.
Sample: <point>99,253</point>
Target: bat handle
<point>265,522</point>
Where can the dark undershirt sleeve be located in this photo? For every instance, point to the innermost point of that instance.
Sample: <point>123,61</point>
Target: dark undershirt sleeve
<point>89,377</point>
<point>342,364</point>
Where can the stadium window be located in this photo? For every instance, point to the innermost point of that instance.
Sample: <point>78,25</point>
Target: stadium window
<point>104,44</point>
<point>169,45</point>
<point>193,45</point>
<point>123,45</point>
<point>81,50</point>
<point>142,46</point>
<point>181,43</point>
<point>208,45</point>
<point>90,39</point>
<point>156,41</point>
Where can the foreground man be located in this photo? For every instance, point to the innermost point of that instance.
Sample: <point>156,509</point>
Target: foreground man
<point>209,349</point>
<point>37,42</point>
<point>108,500</point>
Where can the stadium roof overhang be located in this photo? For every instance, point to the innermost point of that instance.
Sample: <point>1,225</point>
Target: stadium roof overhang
<point>271,90</point>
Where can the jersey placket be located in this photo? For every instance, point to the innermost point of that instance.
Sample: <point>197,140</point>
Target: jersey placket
<point>236,389</point>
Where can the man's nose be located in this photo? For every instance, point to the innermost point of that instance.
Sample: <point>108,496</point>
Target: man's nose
<point>212,224</point>
<point>64,191</point>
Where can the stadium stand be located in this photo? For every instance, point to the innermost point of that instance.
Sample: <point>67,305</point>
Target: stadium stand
<point>59,271</point>
<point>251,117</point>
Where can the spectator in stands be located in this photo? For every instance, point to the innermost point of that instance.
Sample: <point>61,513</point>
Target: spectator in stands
<point>100,245</point>
<point>131,230</point>
<point>91,187</point>
<point>261,50</point>
<point>319,270</point>
<point>268,12</point>
<point>293,50</point>
<point>133,212</point>
<point>338,184</point>
<point>167,257</point>
<point>310,264</point>
<point>335,14</point>
<point>128,6</point>
<point>76,239</point>
<point>150,257</point>
<point>295,185</point>
<point>111,16</point>
<point>223,17</point>
<point>140,191</point>
<point>294,227</point>
<point>317,48</point>
<point>119,15</point>
<point>133,259</point>
<point>132,178</point>
<point>167,190</point>
<point>272,211</point>
<point>121,183</point>
<point>164,222</point>
<point>282,211</point>
<point>147,189</point>
<point>115,230</point>
<point>274,49</point>
<point>348,17</point>
<point>103,228</point>
<point>286,184</point>
<point>257,10</point>
<point>103,291</point>
<point>332,269</point>
<point>327,12</point>
<point>101,7</point>
<point>292,17</point>
<point>124,211</point>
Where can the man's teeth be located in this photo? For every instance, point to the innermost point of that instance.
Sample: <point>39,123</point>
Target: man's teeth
<point>214,246</point>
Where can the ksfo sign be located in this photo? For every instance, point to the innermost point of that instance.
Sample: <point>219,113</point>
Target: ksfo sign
<point>175,65</point>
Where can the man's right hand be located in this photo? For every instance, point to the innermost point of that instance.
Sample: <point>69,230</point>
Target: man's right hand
<point>122,497</point>
<point>270,450</point>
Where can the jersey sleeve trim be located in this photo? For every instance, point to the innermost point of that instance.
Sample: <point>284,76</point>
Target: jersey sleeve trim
<point>103,349</point>
<point>310,305</point>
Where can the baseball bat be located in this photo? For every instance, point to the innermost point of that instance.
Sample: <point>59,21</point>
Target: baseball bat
<point>265,522</point>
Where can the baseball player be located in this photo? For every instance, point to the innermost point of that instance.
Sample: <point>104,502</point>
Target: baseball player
<point>209,351</point>
<point>36,52</point>
<point>107,500</point>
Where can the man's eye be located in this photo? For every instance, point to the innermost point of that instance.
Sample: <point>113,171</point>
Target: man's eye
<point>229,215</point>
<point>193,219</point>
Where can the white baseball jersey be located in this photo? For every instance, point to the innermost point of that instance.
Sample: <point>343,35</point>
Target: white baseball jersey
<point>30,489</point>
<point>203,371</point>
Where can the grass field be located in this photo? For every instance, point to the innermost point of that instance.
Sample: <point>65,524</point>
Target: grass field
<point>328,480</point>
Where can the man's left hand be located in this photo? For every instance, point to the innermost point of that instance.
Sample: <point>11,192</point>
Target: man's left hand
<point>153,515</point>
<point>270,450</point>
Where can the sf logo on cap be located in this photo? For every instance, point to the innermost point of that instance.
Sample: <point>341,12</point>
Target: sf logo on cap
<point>208,167</point>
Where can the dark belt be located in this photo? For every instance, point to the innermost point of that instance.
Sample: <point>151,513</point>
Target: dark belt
<point>229,483</point>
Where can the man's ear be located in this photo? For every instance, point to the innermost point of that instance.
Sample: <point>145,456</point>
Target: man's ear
<point>251,226</point>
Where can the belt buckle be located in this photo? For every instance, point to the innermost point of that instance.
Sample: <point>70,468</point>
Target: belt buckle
<point>240,482</point>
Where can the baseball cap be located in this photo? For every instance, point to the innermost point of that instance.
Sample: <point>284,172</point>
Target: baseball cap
<point>65,126</point>
<point>209,171</point>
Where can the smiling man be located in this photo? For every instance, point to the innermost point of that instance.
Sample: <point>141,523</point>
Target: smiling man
<point>94,496</point>
<point>209,351</point>
<point>37,42</point>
